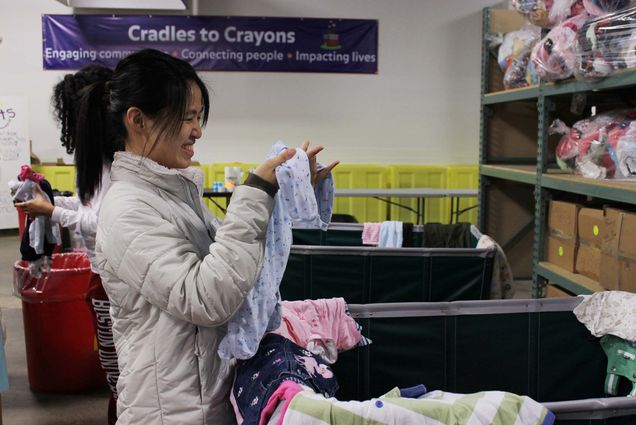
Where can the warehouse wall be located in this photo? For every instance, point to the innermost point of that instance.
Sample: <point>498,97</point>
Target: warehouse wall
<point>422,107</point>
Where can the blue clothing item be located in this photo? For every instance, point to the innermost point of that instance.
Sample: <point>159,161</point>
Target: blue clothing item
<point>277,360</point>
<point>390,234</point>
<point>416,391</point>
<point>4,377</point>
<point>295,205</point>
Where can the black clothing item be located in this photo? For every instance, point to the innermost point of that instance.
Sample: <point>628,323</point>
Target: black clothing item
<point>28,253</point>
<point>437,235</point>
<point>407,235</point>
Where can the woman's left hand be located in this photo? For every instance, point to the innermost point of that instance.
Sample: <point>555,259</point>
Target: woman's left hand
<point>36,206</point>
<point>312,154</point>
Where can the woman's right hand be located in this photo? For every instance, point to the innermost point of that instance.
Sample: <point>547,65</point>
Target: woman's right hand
<point>267,170</point>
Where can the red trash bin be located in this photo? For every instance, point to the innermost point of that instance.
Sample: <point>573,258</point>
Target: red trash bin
<point>61,345</point>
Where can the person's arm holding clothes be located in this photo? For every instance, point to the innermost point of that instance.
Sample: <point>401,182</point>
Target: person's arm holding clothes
<point>82,219</point>
<point>148,252</point>
<point>67,202</point>
<point>67,212</point>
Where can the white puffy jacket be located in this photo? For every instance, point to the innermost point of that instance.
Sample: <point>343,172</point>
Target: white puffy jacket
<point>172,289</point>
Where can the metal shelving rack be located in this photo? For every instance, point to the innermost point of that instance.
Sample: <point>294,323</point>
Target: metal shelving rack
<point>544,181</point>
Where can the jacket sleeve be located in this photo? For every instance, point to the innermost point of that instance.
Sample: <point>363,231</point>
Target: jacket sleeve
<point>67,202</point>
<point>67,214</point>
<point>151,255</point>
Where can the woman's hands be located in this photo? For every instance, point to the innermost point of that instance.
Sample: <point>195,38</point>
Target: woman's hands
<point>267,170</point>
<point>312,154</point>
<point>36,206</point>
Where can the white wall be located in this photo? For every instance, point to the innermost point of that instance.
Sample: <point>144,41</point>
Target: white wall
<point>422,106</point>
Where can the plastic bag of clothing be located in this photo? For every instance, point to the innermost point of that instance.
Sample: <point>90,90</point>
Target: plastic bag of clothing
<point>514,55</point>
<point>604,7</point>
<point>548,13</point>
<point>41,235</point>
<point>626,153</point>
<point>606,44</point>
<point>594,146</point>
<point>554,56</point>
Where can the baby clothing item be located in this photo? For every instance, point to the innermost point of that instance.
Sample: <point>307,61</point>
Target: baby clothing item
<point>296,204</point>
<point>437,235</point>
<point>609,313</point>
<point>548,13</point>
<point>276,361</point>
<point>437,407</point>
<point>407,235</point>
<point>371,233</point>
<point>514,55</point>
<point>604,7</point>
<point>390,234</point>
<point>554,56</point>
<point>321,326</point>
<point>416,391</point>
<point>40,234</point>
<point>282,396</point>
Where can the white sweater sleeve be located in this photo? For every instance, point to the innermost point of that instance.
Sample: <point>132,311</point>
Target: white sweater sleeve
<point>67,202</point>
<point>82,221</point>
<point>70,213</point>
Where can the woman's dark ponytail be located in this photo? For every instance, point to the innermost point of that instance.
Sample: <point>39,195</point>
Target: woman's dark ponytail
<point>94,144</point>
<point>66,102</point>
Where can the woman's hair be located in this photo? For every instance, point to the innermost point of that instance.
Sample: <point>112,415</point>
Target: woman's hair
<point>66,98</point>
<point>156,83</point>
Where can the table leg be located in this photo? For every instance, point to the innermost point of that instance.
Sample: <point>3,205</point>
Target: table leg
<point>421,208</point>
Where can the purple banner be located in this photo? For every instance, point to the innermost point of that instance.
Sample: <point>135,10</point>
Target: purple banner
<point>213,43</point>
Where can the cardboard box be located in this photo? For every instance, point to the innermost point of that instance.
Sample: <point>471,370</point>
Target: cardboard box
<point>627,275</point>
<point>590,226</point>
<point>562,234</point>
<point>588,260</point>
<point>552,291</point>
<point>563,220</point>
<point>590,232</point>
<point>618,250</point>
<point>561,252</point>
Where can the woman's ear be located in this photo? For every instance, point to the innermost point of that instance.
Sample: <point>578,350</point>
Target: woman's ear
<point>134,120</point>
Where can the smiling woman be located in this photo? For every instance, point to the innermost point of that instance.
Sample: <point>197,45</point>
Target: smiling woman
<point>173,277</point>
<point>169,148</point>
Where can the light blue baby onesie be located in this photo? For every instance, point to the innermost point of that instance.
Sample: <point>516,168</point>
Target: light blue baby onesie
<point>390,234</point>
<point>295,205</point>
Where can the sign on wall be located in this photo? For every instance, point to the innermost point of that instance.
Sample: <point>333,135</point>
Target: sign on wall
<point>212,43</point>
<point>14,152</point>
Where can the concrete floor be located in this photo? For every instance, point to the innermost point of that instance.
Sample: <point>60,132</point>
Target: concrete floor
<point>20,406</point>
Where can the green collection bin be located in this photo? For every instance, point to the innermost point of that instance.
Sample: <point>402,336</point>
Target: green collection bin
<point>371,275</point>
<point>531,347</point>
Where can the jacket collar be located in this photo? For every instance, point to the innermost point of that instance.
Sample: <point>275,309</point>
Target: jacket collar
<point>129,166</point>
